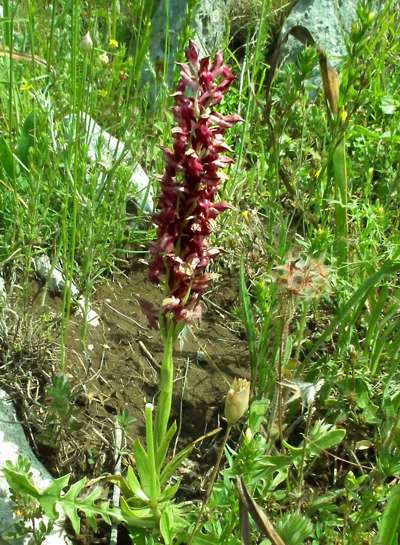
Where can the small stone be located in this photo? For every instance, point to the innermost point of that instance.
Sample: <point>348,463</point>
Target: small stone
<point>106,150</point>
<point>13,444</point>
<point>53,275</point>
<point>91,316</point>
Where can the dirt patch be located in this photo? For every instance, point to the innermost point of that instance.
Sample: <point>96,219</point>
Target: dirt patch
<point>115,368</point>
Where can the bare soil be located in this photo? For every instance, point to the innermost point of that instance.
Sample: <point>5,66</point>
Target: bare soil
<point>114,367</point>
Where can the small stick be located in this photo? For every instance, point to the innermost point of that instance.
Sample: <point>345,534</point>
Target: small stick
<point>148,354</point>
<point>125,317</point>
<point>117,471</point>
<point>210,485</point>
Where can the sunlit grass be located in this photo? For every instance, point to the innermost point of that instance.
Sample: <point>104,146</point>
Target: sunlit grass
<point>307,183</point>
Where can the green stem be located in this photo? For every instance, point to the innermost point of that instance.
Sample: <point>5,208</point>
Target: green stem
<point>389,438</point>
<point>210,485</point>
<point>163,409</point>
<point>303,454</point>
<point>337,171</point>
<point>287,311</point>
<point>154,480</point>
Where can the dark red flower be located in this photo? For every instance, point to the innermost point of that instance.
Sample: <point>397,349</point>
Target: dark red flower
<point>186,207</point>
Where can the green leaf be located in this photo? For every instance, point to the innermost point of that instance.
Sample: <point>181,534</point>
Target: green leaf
<point>134,485</point>
<point>210,539</point>
<point>328,440</point>
<point>294,450</point>
<point>257,411</point>
<point>170,468</point>
<point>137,517</point>
<point>277,462</point>
<point>52,494</point>
<point>142,466</point>
<point>390,523</point>
<point>26,139</point>
<point>170,491</point>
<point>7,159</point>
<point>176,461</point>
<point>248,321</point>
<point>163,448</point>
<point>129,485</point>
<point>388,105</point>
<point>294,528</point>
<point>20,482</point>
<point>71,504</point>
<point>166,526</point>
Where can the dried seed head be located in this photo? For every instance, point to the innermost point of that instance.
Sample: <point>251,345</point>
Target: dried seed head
<point>298,277</point>
<point>237,400</point>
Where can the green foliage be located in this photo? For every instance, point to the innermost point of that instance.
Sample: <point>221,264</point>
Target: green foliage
<point>320,186</point>
<point>147,490</point>
<point>390,523</point>
<point>294,529</point>
<point>52,499</point>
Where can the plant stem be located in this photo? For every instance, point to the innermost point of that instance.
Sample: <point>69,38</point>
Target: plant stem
<point>154,480</point>
<point>163,409</point>
<point>303,454</point>
<point>337,169</point>
<point>287,310</point>
<point>210,485</point>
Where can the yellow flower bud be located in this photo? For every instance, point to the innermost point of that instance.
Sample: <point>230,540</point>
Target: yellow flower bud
<point>113,43</point>
<point>248,436</point>
<point>237,400</point>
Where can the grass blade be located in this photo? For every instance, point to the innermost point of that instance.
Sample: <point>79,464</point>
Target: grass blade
<point>387,269</point>
<point>390,523</point>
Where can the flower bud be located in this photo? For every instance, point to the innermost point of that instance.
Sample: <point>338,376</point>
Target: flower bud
<point>104,59</point>
<point>237,400</point>
<point>86,44</point>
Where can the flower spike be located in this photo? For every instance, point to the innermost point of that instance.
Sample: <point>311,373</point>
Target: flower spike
<point>186,205</point>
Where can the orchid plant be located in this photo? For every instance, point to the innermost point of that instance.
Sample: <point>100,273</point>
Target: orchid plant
<point>180,255</point>
<point>187,207</point>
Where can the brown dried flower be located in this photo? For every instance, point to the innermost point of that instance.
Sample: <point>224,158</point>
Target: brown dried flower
<point>300,277</point>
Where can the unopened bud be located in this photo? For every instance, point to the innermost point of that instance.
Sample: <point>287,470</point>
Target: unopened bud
<point>86,43</point>
<point>237,400</point>
<point>104,59</point>
<point>248,436</point>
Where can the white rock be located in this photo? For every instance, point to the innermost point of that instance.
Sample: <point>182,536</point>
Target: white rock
<point>56,284</point>
<point>328,21</point>
<point>92,318</point>
<point>13,443</point>
<point>105,149</point>
<point>54,276</point>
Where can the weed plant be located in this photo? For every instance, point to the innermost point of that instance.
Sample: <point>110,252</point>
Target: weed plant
<point>314,186</point>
